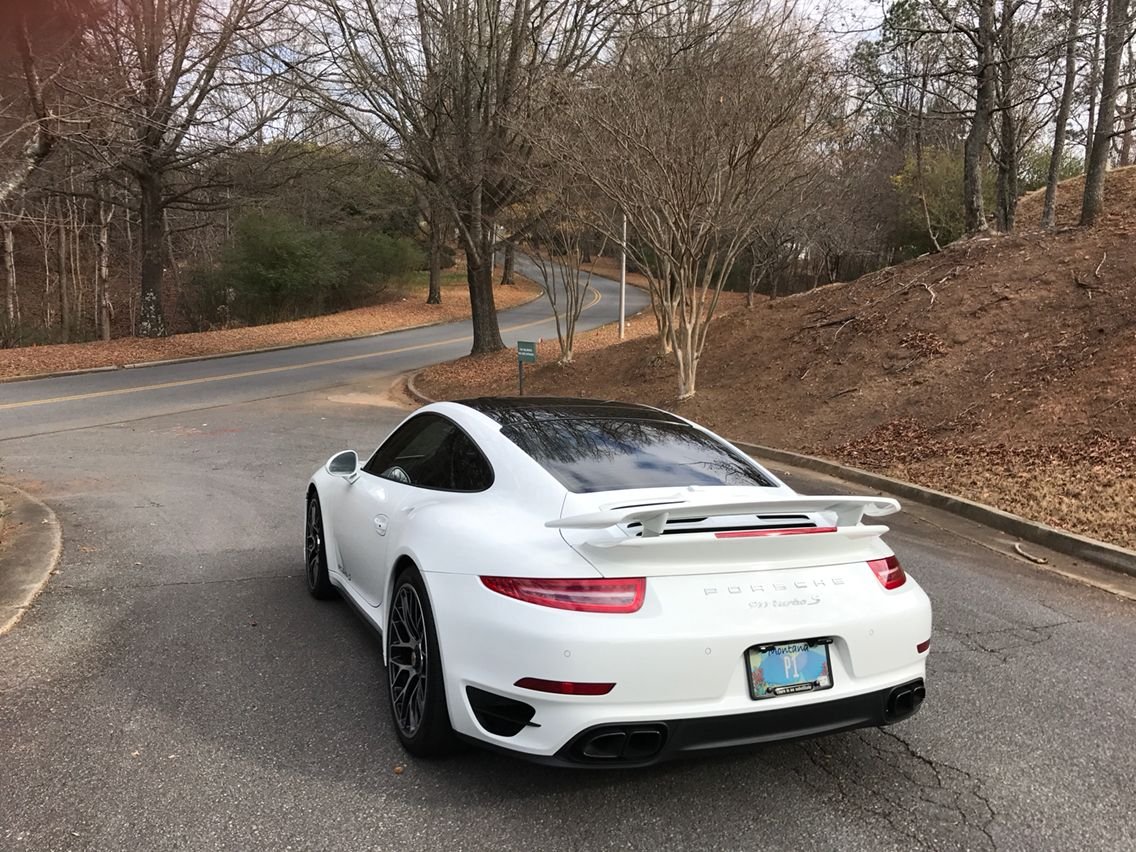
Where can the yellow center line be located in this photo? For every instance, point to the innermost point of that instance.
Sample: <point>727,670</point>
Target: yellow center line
<point>268,370</point>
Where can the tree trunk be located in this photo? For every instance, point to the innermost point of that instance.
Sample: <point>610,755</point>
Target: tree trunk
<point>102,271</point>
<point>1049,210</point>
<point>63,260</point>
<point>10,269</point>
<point>1115,37</point>
<point>1129,118</point>
<point>1007,189</point>
<point>510,261</point>
<point>920,172</point>
<point>1007,171</point>
<point>479,276</point>
<point>1094,81</point>
<point>975,217</point>
<point>686,358</point>
<point>1126,135</point>
<point>434,297</point>
<point>586,248</point>
<point>151,322</point>
<point>661,305</point>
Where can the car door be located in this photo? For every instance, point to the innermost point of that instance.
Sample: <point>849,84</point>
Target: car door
<point>426,455</point>
<point>361,533</point>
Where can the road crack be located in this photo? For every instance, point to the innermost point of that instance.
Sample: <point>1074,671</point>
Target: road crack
<point>1002,643</point>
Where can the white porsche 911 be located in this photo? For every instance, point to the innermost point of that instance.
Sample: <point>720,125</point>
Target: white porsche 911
<point>599,583</point>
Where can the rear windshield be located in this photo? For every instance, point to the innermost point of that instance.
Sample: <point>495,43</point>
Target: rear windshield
<point>608,454</point>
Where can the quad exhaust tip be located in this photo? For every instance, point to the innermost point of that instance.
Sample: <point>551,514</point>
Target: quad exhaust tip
<point>904,700</point>
<point>613,743</point>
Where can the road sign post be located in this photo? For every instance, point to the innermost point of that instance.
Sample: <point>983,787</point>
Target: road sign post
<point>526,354</point>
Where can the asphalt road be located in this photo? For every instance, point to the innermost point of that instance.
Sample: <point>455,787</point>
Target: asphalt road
<point>73,402</point>
<point>176,688</point>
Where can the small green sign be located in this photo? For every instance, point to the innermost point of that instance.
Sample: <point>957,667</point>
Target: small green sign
<point>526,351</point>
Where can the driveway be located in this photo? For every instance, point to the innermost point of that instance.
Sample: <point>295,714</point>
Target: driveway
<point>176,688</point>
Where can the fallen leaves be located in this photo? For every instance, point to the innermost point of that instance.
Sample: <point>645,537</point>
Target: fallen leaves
<point>1085,484</point>
<point>32,360</point>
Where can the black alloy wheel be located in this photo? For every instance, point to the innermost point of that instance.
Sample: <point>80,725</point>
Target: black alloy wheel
<point>414,671</point>
<point>315,553</point>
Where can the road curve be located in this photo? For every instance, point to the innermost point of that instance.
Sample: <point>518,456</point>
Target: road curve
<point>174,687</point>
<point>70,402</point>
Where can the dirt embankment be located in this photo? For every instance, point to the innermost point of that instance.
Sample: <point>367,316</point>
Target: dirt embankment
<point>1002,369</point>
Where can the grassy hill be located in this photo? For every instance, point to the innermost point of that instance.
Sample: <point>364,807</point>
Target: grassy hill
<point>1003,369</point>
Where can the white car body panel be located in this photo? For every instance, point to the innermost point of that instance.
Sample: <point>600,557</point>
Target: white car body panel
<point>681,656</point>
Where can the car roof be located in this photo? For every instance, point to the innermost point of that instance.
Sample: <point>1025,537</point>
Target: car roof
<point>508,411</point>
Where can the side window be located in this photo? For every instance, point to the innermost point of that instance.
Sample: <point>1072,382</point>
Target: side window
<point>471,472</point>
<point>429,451</point>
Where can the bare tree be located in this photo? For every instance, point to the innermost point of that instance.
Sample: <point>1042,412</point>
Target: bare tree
<point>716,115</point>
<point>985,71</point>
<point>1128,112</point>
<point>43,36</point>
<point>103,309</point>
<point>1117,32</point>
<point>1048,213</point>
<point>1092,83</point>
<point>452,87</point>
<point>11,301</point>
<point>558,238</point>
<point>185,84</point>
<point>434,226</point>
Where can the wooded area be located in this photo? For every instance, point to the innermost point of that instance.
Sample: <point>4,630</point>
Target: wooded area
<point>186,164</point>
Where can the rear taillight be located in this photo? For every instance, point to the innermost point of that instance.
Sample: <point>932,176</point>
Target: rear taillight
<point>564,687</point>
<point>888,571</point>
<point>598,595</point>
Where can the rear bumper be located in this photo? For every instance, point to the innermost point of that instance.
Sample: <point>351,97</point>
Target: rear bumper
<point>678,665</point>
<point>646,743</point>
<point>714,734</point>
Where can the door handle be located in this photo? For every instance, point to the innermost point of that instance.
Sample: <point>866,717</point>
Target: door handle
<point>381,522</point>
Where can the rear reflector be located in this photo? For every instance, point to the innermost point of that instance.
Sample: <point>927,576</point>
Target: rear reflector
<point>591,595</point>
<point>564,687</point>
<point>923,646</point>
<point>889,572</point>
<point>774,531</point>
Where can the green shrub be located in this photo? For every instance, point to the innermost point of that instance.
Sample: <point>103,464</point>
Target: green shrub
<point>276,269</point>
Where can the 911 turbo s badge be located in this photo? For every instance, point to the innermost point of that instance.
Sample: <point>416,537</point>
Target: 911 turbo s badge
<point>812,600</point>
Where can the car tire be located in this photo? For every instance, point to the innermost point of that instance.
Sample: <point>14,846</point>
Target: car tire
<point>415,687</point>
<point>315,552</point>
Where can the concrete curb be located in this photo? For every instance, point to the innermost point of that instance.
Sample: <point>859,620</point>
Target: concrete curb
<point>412,389</point>
<point>27,377</point>
<point>213,357</point>
<point>1080,547</point>
<point>29,554</point>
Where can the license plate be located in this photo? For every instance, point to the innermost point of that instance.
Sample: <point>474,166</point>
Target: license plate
<point>787,668</point>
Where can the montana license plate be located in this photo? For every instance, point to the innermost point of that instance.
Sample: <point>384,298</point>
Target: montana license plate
<point>787,668</point>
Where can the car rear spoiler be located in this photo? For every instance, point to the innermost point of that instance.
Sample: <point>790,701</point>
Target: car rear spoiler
<point>849,511</point>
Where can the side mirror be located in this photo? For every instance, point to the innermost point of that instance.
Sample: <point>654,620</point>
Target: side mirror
<point>345,464</point>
